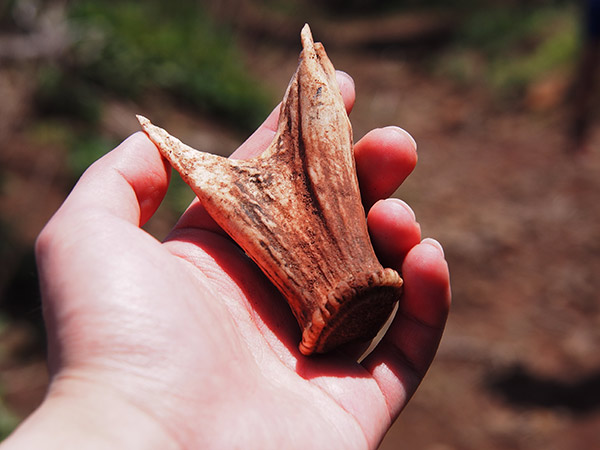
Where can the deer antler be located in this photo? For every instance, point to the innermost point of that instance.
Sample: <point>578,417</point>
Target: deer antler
<point>296,209</point>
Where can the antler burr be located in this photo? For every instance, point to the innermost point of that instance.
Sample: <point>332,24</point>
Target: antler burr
<point>296,209</point>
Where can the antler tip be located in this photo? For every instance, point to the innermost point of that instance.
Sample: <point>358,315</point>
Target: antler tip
<point>306,36</point>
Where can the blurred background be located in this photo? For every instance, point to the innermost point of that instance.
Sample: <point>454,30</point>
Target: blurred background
<point>499,96</point>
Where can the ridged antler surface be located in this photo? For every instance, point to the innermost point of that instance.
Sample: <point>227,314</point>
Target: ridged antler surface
<point>296,209</point>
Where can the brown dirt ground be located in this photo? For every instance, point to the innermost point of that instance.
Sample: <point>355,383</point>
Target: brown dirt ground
<point>518,367</point>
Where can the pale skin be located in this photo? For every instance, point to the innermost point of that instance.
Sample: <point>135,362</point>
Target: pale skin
<point>185,344</point>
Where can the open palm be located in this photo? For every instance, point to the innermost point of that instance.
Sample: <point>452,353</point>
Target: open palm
<point>186,344</point>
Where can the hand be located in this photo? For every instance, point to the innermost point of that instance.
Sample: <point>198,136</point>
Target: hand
<point>185,344</point>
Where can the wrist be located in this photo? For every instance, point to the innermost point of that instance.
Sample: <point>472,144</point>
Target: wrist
<point>77,415</point>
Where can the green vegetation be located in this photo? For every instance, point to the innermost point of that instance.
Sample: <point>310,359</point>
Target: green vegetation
<point>507,48</point>
<point>8,420</point>
<point>131,47</point>
<point>555,50</point>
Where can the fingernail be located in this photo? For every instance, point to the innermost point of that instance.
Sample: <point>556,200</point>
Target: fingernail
<point>404,205</point>
<point>433,243</point>
<point>404,133</point>
<point>342,74</point>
